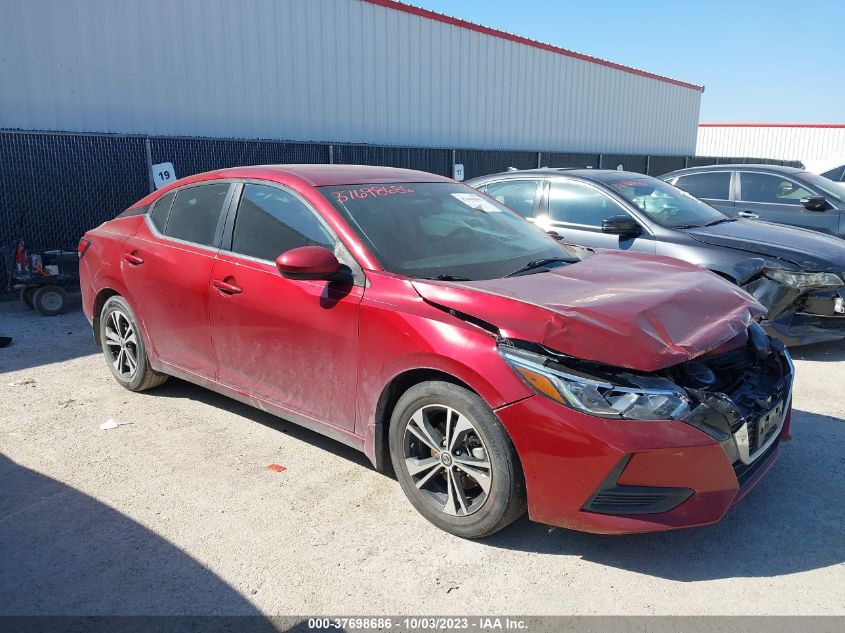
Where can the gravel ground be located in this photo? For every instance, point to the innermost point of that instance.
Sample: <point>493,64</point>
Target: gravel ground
<point>175,511</point>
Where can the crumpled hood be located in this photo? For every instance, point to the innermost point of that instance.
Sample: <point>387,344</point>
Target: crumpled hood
<point>811,250</point>
<point>626,310</point>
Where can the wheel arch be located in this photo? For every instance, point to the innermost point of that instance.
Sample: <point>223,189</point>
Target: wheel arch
<point>387,400</point>
<point>99,301</point>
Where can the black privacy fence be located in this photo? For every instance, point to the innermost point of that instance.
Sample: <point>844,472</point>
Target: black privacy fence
<point>55,186</point>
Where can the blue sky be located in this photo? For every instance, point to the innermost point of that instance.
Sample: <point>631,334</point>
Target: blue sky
<point>760,61</point>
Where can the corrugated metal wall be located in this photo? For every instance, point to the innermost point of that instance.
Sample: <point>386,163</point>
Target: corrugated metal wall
<point>795,142</point>
<point>319,70</point>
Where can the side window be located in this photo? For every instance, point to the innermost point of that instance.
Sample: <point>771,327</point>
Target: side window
<point>575,203</point>
<point>161,210</point>
<point>195,212</point>
<point>755,187</point>
<point>271,221</point>
<point>836,174</point>
<point>515,194</point>
<point>713,186</point>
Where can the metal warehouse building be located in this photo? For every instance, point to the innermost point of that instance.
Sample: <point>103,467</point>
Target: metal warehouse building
<point>356,71</point>
<point>797,141</point>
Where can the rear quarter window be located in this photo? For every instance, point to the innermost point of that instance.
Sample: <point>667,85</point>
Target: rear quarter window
<point>161,209</point>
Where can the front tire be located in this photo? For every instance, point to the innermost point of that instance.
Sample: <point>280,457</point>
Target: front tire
<point>455,461</point>
<point>123,347</point>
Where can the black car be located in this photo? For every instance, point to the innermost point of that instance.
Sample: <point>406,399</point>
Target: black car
<point>797,274</point>
<point>784,195</point>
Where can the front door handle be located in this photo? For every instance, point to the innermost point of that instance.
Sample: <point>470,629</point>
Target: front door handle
<point>555,235</point>
<point>226,287</point>
<point>133,258</point>
<point>747,214</point>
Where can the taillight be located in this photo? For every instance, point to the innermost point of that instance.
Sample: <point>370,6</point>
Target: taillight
<point>82,248</point>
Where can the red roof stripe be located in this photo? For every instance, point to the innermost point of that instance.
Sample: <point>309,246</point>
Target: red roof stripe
<point>439,17</point>
<point>819,125</point>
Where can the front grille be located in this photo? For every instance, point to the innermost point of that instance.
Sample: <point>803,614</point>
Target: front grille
<point>745,472</point>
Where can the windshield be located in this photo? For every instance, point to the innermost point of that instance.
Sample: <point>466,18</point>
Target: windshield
<point>441,230</point>
<point>665,204</point>
<point>830,187</point>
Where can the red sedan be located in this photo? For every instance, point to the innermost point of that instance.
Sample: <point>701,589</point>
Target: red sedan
<point>425,324</point>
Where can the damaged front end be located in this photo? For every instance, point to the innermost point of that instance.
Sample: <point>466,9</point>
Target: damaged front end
<point>803,307</point>
<point>738,394</point>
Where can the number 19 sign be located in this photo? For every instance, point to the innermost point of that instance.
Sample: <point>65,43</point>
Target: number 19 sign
<point>163,174</point>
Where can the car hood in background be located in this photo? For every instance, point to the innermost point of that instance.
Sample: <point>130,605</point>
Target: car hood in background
<point>627,310</point>
<point>811,250</point>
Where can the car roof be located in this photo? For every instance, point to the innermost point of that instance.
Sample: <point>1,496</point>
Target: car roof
<point>599,175</point>
<point>327,175</point>
<point>781,169</point>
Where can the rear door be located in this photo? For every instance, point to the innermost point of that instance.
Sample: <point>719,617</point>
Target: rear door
<point>166,267</point>
<point>291,343</point>
<point>777,198</point>
<point>575,210</point>
<point>713,187</point>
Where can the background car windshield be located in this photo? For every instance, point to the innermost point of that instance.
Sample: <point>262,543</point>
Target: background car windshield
<point>436,229</point>
<point>665,204</point>
<point>831,188</point>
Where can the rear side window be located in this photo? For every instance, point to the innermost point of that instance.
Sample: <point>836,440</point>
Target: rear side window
<point>836,173</point>
<point>161,210</point>
<point>757,187</point>
<point>271,221</point>
<point>517,195</point>
<point>195,213</point>
<point>712,186</point>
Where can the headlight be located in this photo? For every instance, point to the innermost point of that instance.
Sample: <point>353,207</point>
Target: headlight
<point>660,400</point>
<point>804,280</point>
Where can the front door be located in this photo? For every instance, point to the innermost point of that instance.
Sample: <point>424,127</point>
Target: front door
<point>575,212</point>
<point>776,198</point>
<point>291,343</point>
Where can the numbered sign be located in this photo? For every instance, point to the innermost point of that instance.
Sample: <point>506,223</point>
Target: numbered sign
<point>163,174</point>
<point>458,172</point>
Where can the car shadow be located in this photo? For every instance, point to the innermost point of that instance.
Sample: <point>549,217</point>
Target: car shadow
<point>65,553</point>
<point>181,389</point>
<point>791,522</point>
<point>828,351</point>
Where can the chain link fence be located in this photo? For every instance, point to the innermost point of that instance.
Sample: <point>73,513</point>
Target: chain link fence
<point>55,186</point>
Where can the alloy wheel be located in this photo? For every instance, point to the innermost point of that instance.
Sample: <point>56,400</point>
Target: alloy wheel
<point>121,344</point>
<point>447,460</point>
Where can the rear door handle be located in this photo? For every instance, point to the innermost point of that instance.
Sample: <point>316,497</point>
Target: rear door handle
<point>133,259</point>
<point>555,235</point>
<point>226,288</point>
<point>747,214</point>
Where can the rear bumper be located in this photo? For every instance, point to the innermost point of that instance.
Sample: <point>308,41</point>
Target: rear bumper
<point>569,459</point>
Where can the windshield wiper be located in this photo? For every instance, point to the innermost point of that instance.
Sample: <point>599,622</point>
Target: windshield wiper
<point>720,221</point>
<point>539,263</point>
<point>449,278</point>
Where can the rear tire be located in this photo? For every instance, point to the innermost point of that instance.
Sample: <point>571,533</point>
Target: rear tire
<point>124,349</point>
<point>455,461</point>
<point>50,300</point>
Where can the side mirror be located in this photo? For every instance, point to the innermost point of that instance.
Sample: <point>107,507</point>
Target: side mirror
<point>814,203</point>
<point>623,225</point>
<point>312,262</point>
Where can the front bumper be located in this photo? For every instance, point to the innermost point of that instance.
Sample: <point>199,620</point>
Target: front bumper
<point>617,476</point>
<point>800,316</point>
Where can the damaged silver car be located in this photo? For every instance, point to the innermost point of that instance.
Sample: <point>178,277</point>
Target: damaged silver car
<point>797,274</point>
